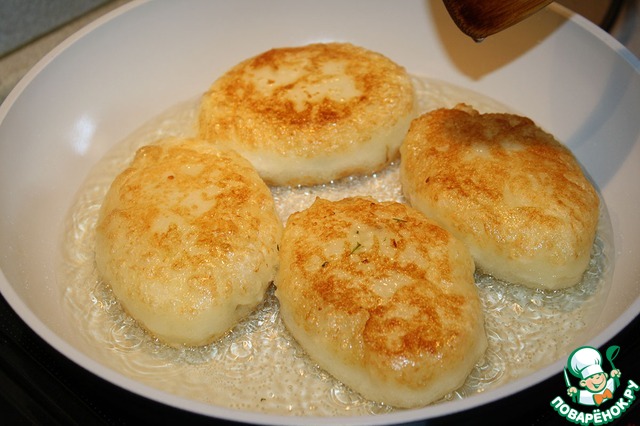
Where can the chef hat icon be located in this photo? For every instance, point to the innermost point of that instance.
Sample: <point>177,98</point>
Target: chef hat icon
<point>585,362</point>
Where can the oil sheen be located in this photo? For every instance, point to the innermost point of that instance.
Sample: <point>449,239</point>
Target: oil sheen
<point>257,366</point>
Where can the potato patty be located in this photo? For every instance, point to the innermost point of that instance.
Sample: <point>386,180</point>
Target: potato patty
<point>311,114</point>
<point>507,189</point>
<point>187,239</point>
<point>382,298</point>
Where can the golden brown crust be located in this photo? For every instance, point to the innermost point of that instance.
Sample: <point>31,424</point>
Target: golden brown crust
<point>187,238</point>
<point>509,190</point>
<point>313,105</point>
<point>382,298</point>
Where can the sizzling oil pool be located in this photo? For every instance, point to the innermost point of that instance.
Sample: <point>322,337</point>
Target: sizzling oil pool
<point>258,366</point>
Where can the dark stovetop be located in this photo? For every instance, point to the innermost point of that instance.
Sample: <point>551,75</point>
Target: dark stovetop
<point>40,386</point>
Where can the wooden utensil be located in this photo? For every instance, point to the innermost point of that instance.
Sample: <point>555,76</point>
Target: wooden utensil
<point>482,18</point>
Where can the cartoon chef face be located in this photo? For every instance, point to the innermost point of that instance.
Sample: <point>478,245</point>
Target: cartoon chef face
<point>596,382</point>
<point>586,364</point>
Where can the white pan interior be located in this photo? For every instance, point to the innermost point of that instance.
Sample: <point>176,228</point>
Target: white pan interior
<point>105,81</point>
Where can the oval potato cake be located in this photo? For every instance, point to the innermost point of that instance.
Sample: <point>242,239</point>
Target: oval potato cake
<point>187,239</point>
<point>311,114</point>
<point>512,193</point>
<point>382,298</point>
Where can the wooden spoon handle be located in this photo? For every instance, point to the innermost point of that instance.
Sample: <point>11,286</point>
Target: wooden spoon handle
<point>482,18</point>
